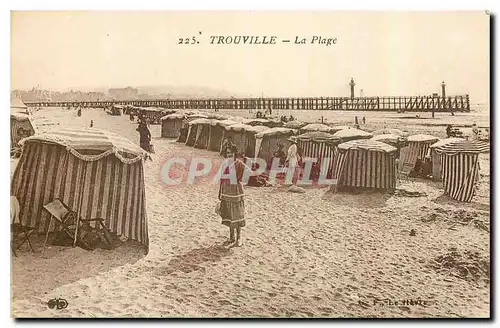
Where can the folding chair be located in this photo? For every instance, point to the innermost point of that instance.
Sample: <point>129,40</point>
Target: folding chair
<point>405,171</point>
<point>75,227</point>
<point>20,235</point>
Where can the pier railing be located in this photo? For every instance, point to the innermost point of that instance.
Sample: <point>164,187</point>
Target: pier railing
<point>458,103</point>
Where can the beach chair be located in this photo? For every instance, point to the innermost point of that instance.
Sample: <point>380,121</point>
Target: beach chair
<point>74,226</point>
<point>405,171</point>
<point>19,235</point>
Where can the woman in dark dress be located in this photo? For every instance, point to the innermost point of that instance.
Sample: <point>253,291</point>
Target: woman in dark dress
<point>232,199</point>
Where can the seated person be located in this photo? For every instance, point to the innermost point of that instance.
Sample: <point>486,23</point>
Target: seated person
<point>416,169</point>
<point>426,168</point>
<point>280,154</point>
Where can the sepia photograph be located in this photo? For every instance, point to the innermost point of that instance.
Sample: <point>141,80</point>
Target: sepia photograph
<point>250,164</point>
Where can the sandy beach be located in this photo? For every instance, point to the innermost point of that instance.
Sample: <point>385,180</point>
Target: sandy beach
<point>304,255</point>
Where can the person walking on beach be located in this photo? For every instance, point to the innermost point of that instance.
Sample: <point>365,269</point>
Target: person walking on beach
<point>144,136</point>
<point>293,160</point>
<point>356,120</point>
<point>364,120</point>
<point>232,199</point>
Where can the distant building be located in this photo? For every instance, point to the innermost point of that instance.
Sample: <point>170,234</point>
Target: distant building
<point>127,93</point>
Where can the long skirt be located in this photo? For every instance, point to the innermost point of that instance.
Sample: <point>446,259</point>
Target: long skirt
<point>233,213</point>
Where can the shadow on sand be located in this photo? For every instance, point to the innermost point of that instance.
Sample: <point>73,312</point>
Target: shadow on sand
<point>192,260</point>
<point>358,197</point>
<point>446,200</point>
<point>47,269</point>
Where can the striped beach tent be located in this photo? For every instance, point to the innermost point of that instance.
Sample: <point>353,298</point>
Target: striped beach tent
<point>364,164</point>
<point>436,158</point>
<point>460,160</point>
<point>319,146</point>
<point>418,146</point>
<point>266,142</point>
<point>171,125</point>
<point>352,134</point>
<point>217,128</point>
<point>96,173</point>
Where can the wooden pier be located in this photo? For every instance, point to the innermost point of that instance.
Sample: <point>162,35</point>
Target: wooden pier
<point>392,104</point>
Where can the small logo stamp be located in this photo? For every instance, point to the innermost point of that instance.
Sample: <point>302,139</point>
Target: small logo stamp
<point>58,303</point>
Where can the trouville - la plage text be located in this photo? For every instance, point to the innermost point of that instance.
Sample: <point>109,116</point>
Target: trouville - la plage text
<point>265,40</point>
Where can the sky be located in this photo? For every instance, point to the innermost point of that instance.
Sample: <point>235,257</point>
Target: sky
<point>387,53</point>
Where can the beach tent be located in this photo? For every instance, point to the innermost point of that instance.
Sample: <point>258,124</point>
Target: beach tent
<point>238,133</point>
<point>418,146</point>
<point>390,131</point>
<point>171,125</point>
<point>195,129</point>
<point>318,145</point>
<point>154,114</point>
<point>436,158</point>
<point>203,127</point>
<point>189,116</point>
<point>266,142</point>
<point>460,161</point>
<point>116,110</point>
<point>364,164</point>
<point>217,128</point>
<point>96,173</point>
<point>352,134</point>
<point>296,125</point>
<point>317,127</point>
<point>252,140</point>
<point>21,126</point>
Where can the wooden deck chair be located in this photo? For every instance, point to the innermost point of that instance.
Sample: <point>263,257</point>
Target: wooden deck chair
<point>405,171</point>
<point>75,227</point>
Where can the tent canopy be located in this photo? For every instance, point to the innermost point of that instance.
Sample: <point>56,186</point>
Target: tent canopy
<point>238,127</point>
<point>318,137</point>
<point>175,116</point>
<point>274,132</point>
<point>367,144</point>
<point>340,127</point>
<point>223,123</point>
<point>390,131</point>
<point>422,138</point>
<point>317,127</point>
<point>352,133</point>
<point>444,141</point>
<point>464,146</point>
<point>392,139</point>
<point>258,129</point>
<point>201,121</point>
<point>91,139</point>
<point>294,124</point>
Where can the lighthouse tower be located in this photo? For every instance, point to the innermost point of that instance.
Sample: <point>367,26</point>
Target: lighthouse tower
<point>352,84</point>
<point>443,89</point>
